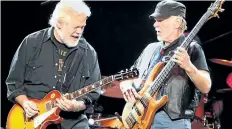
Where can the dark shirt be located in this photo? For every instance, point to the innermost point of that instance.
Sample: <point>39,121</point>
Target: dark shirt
<point>63,51</point>
<point>178,86</point>
<point>35,73</point>
<point>153,51</point>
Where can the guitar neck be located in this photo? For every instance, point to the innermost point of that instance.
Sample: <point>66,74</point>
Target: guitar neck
<point>99,84</point>
<point>157,83</point>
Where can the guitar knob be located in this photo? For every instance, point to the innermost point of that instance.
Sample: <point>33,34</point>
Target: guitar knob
<point>91,121</point>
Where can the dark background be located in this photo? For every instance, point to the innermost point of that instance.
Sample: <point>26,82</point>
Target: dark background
<point>119,31</point>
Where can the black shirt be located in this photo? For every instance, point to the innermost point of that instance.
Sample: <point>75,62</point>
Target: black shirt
<point>35,72</point>
<point>63,51</point>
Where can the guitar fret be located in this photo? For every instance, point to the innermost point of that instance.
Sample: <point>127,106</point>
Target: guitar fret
<point>86,89</point>
<point>109,79</point>
<point>79,92</point>
<point>161,77</point>
<point>93,86</point>
<point>143,102</point>
<point>69,97</point>
<point>98,84</point>
<point>105,81</point>
<point>74,95</point>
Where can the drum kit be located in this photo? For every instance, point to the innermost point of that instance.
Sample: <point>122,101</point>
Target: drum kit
<point>206,116</point>
<point>210,108</point>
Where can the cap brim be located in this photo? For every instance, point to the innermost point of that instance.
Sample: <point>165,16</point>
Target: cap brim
<point>158,16</point>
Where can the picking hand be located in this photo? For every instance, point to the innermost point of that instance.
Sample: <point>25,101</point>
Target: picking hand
<point>129,93</point>
<point>30,108</point>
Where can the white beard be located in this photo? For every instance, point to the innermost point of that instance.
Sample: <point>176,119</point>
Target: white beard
<point>68,44</point>
<point>71,45</point>
<point>159,39</point>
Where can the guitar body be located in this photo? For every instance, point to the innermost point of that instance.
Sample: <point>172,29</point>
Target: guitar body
<point>145,117</point>
<point>140,115</point>
<point>17,119</point>
<point>49,113</point>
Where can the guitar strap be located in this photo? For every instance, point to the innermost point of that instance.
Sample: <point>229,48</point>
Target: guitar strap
<point>71,72</point>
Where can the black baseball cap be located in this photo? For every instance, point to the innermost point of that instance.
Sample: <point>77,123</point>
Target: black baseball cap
<point>167,8</point>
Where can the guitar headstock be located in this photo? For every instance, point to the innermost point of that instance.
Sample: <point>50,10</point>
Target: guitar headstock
<point>215,8</point>
<point>127,74</point>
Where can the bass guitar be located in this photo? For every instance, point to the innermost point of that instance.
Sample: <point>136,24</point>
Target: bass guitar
<point>140,114</point>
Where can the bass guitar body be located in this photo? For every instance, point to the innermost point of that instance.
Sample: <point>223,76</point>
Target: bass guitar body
<point>140,115</point>
<point>47,115</point>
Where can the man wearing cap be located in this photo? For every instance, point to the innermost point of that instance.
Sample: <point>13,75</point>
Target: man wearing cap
<point>187,79</point>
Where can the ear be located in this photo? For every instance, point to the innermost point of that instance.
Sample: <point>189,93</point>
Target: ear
<point>178,22</point>
<point>58,25</point>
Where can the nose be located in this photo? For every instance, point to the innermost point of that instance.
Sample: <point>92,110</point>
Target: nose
<point>79,30</point>
<point>156,24</point>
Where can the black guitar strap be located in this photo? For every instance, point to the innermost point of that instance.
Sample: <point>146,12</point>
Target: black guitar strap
<point>71,72</point>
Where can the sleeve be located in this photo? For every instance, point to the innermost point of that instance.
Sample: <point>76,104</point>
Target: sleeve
<point>15,79</point>
<point>198,58</point>
<point>137,64</point>
<point>95,75</point>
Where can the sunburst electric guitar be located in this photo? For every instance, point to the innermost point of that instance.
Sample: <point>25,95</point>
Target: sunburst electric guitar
<point>49,114</point>
<point>140,115</point>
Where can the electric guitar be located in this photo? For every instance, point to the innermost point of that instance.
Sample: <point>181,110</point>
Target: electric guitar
<point>140,114</point>
<point>49,114</point>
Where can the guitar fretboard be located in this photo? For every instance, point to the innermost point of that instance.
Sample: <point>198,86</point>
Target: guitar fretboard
<point>99,84</point>
<point>103,83</point>
<point>90,88</point>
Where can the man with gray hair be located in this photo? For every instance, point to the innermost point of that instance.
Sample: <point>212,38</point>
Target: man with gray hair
<point>56,58</point>
<point>187,79</point>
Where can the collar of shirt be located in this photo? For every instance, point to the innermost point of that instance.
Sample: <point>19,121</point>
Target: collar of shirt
<point>175,43</point>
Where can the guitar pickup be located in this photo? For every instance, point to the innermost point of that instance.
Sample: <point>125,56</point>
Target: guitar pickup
<point>137,111</point>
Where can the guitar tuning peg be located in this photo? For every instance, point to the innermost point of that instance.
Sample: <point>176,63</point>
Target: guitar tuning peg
<point>221,10</point>
<point>217,16</point>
